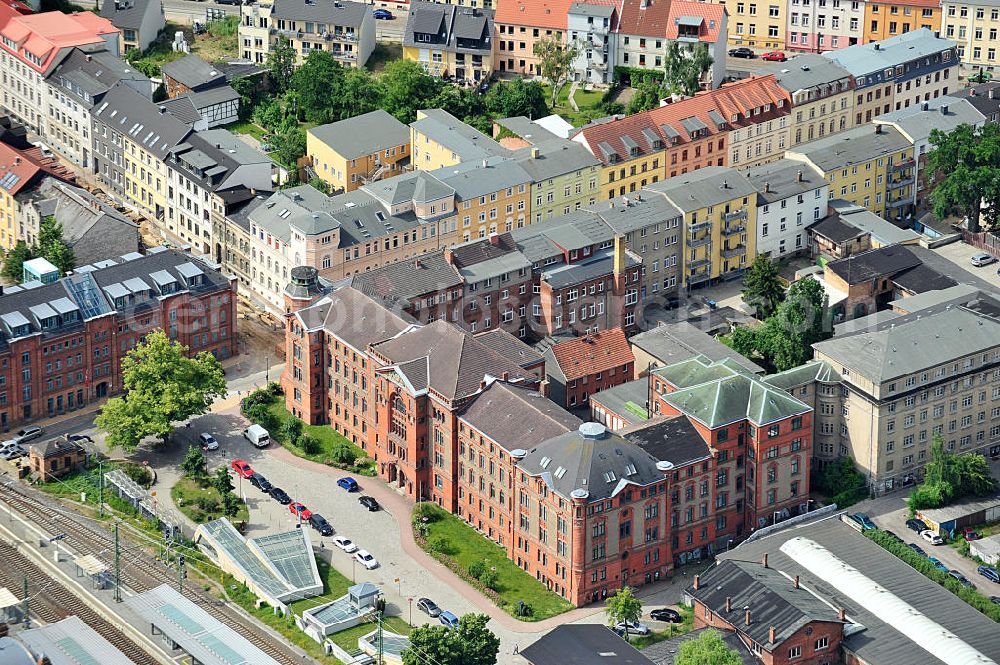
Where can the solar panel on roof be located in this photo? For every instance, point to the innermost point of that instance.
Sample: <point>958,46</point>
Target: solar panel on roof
<point>9,180</point>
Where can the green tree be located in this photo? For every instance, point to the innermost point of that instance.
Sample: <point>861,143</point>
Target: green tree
<point>222,482</point>
<point>948,476</point>
<point>786,338</point>
<point>842,481</point>
<point>281,65</point>
<point>246,88</point>
<point>291,429</point>
<point>762,288</point>
<point>290,145</point>
<point>472,643</point>
<point>231,504</point>
<point>318,183</point>
<point>193,465</point>
<point>162,386</point>
<point>317,84</point>
<point>707,649</point>
<point>966,162</point>
<point>684,68</point>
<point>361,93</point>
<point>344,453</point>
<point>623,606</point>
<point>13,262</point>
<point>133,55</point>
<point>516,98</point>
<point>646,96</point>
<point>554,61</point>
<point>407,88</point>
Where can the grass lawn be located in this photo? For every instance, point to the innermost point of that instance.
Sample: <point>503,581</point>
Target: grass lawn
<point>348,639</point>
<point>247,127</point>
<point>327,437</point>
<point>587,101</point>
<point>187,495</point>
<point>217,45</point>
<point>466,546</point>
<point>672,630</point>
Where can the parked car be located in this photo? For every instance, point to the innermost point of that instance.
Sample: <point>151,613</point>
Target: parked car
<point>970,534</point>
<point>428,607</point>
<point>448,619</point>
<point>937,564</point>
<point>242,468</point>
<point>864,520</point>
<point>931,537</point>
<point>982,259</point>
<point>995,600</point>
<point>349,484</point>
<point>666,614</point>
<point>299,510</point>
<point>319,523</point>
<point>260,482</point>
<point>369,503</point>
<point>79,438</point>
<point>917,548</point>
<point>632,628</point>
<point>989,573</point>
<point>280,495</point>
<point>366,559</point>
<point>382,15</point>
<point>774,56</point>
<point>12,452</point>
<point>257,435</point>
<point>346,544</point>
<point>741,52</point>
<point>916,525</point>
<point>208,441</point>
<point>28,434</point>
<point>962,579</point>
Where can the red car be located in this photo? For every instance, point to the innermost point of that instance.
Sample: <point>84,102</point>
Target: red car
<point>774,56</point>
<point>296,508</point>
<point>242,468</point>
<point>970,533</point>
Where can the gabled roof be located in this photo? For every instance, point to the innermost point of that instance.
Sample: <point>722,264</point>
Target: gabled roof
<point>874,263</point>
<point>537,13</point>
<point>645,18</point>
<point>87,76</point>
<point>403,282</point>
<point>517,417</point>
<point>46,36</point>
<point>140,120</point>
<point>362,135</point>
<point>128,14</point>
<point>453,28</point>
<point>675,342</point>
<point>193,72</point>
<point>340,13</point>
<point>354,317</point>
<point>770,597</point>
<point>862,59</point>
<point>709,186</point>
<point>510,347</point>
<point>467,142</point>
<point>853,146</point>
<point>592,354</point>
<point>583,644</point>
<point>709,16</point>
<point>23,169</point>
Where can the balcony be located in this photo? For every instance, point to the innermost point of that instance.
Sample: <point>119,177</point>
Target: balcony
<point>905,164</point>
<point>899,203</point>
<point>698,278</point>
<point>733,216</point>
<point>897,184</point>
<point>345,55</point>
<point>699,226</point>
<point>730,252</point>
<point>701,242</point>
<point>733,230</point>
<point>699,263</point>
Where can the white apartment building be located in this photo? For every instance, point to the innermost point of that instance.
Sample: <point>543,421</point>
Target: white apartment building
<point>790,197</point>
<point>592,27</point>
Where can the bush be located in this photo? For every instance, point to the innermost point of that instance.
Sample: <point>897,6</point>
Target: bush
<point>309,445</point>
<point>231,504</point>
<point>489,579</point>
<point>140,475</point>
<point>438,545</point>
<point>344,454</point>
<point>477,568</point>
<point>425,512</point>
<point>523,609</point>
<point>291,429</point>
<point>207,504</point>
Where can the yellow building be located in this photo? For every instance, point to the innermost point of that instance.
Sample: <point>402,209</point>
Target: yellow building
<point>564,177</point>
<point>493,196</point>
<point>888,18</point>
<point>720,221</point>
<point>363,149</point>
<point>974,26</point>
<point>438,139</point>
<point>822,97</point>
<point>448,40</point>
<point>870,165</point>
<point>757,24</point>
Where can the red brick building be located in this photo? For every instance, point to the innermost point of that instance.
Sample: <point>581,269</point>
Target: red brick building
<point>61,344</point>
<point>577,368</point>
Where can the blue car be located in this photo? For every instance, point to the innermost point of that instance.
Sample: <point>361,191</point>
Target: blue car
<point>937,564</point>
<point>865,521</point>
<point>382,14</point>
<point>448,619</point>
<point>348,484</point>
<point>989,573</point>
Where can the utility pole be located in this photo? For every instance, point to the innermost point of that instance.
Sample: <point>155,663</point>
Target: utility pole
<point>27,617</point>
<point>180,573</point>
<point>100,484</point>
<point>118,568</point>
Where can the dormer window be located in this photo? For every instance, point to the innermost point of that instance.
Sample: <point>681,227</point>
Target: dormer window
<point>120,302</point>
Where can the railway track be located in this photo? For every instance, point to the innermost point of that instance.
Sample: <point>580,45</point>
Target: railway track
<point>139,571</point>
<point>50,601</point>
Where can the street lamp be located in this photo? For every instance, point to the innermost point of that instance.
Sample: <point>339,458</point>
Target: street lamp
<point>411,610</point>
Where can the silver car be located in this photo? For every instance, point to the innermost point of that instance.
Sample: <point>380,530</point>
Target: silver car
<point>982,259</point>
<point>28,434</point>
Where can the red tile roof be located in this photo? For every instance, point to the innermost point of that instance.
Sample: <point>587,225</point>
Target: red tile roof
<point>540,13</point>
<point>44,35</point>
<point>712,18</point>
<point>20,168</point>
<point>650,21</point>
<point>737,100</point>
<point>584,356</point>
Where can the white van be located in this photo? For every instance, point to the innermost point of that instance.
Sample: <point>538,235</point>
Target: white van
<point>257,435</point>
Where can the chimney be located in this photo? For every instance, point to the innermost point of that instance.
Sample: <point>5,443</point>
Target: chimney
<point>486,163</point>
<point>619,255</point>
<point>763,560</point>
<point>17,160</point>
<point>795,582</point>
<point>771,634</point>
<point>644,4</point>
<point>746,616</point>
<point>625,201</point>
<point>417,264</point>
<point>482,385</point>
<point>767,188</point>
<point>842,614</point>
<point>535,153</point>
<point>494,239</point>
<point>878,129</point>
<point>944,109</point>
<point>505,376</point>
<point>729,604</point>
<point>697,582</point>
<point>88,57</point>
<point>612,204</point>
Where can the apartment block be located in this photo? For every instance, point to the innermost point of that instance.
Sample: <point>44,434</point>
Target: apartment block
<point>492,196</point>
<point>592,26</point>
<point>439,139</point>
<point>814,27</point>
<point>63,342</point>
<point>31,46</point>
<point>521,23</point>
<point>973,25</point>
<point>885,18</point>
<point>791,196</point>
<point>140,21</point>
<point>353,152</point>
<point>23,171</point>
<point>870,165</point>
<point>894,73</point>
<point>822,96</point>
<point>341,27</point>
<point>756,24</point>
<point>449,40</point>
<point>719,205</point>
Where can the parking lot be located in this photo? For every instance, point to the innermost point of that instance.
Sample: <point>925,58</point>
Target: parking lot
<point>960,254</point>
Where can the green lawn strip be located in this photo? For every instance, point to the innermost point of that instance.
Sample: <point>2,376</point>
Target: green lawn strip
<point>335,585</point>
<point>637,410</point>
<point>187,493</point>
<point>466,546</point>
<point>671,631</point>
<point>348,639</point>
<point>247,127</point>
<point>327,437</point>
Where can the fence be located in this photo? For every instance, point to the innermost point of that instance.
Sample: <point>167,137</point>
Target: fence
<point>983,240</point>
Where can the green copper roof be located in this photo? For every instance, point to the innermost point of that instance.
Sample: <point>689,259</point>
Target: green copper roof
<point>698,370</point>
<point>735,398</point>
<point>814,370</point>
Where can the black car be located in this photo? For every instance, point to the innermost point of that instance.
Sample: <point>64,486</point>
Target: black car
<point>916,525</point>
<point>671,302</point>
<point>369,503</point>
<point>319,523</point>
<point>280,495</point>
<point>962,579</point>
<point>917,548</point>
<point>995,600</point>
<point>260,482</point>
<point>77,438</point>
<point>741,52</point>
<point>428,607</point>
<point>666,614</point>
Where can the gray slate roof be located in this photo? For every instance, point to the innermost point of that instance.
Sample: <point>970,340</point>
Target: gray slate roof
<point>516,417</point>
<point>128,14</point>
<point>782,180</point>
<point>470,180</point>
<point>862,59</point>
<point>403,281</point>
<point>944,113</point>
<point>193,72</point>
<point>363,135</point>
<point>342,12</point>
<point>210,157</point>
<point>354,318</point>
<point>509,346</point>
<point>87,76</point>
<point>556,157</point>
<point>882,230</point>
<point>131,114</point>
<point>674,342</point>
<point>639,214</point>
<point>807,71</point>
<point>709,186</point>
<point>455,29</point>
<point>583,644</point>
<point>854,146</point>
<point>617,399</point>
<point>468,143</point>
